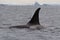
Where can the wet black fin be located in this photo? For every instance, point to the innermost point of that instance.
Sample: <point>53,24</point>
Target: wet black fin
<point>35,18</point>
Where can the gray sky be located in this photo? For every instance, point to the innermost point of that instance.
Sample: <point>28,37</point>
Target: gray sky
<point>29,1</point>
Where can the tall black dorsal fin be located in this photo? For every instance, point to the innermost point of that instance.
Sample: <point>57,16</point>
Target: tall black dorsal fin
<point>35,18</point>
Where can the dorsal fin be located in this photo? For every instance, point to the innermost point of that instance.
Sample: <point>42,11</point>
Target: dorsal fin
<point>35,18</point>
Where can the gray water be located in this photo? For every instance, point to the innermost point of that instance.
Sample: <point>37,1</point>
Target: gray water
<point>17,15</point>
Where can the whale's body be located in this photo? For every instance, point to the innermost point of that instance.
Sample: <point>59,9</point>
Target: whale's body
<point>33,23</point>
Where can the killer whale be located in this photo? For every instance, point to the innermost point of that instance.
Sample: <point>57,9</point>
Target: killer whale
<point>34,22</point>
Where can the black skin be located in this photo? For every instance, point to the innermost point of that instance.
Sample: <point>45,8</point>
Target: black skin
<point>19,26</point>
<point>33,21</point>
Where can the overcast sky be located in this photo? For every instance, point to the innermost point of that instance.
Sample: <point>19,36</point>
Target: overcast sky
<point>30,1</point>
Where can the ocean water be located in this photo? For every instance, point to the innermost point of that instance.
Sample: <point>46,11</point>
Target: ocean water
<point>49,17</point>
